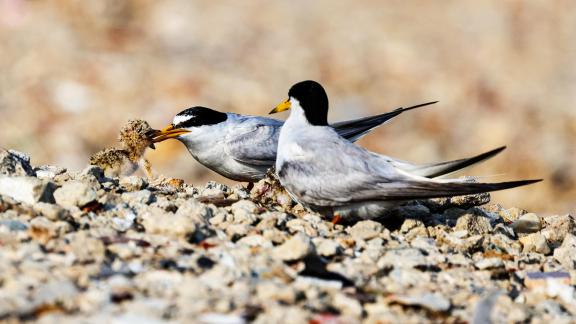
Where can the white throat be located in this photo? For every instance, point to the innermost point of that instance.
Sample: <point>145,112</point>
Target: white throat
<point>297,116</point>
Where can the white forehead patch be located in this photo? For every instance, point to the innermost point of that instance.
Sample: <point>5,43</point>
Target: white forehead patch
<point>179,119</point>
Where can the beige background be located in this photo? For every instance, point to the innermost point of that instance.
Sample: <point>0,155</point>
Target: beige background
<point>72,72</point>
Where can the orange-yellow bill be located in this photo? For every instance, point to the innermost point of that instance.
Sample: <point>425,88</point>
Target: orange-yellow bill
<point>166,133</point>
<point>285,105</point>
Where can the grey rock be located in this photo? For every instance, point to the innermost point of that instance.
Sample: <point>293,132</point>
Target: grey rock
<point>403,258</point>
<point>326,247</point>
<point>139,197</point>
<point>54,292</point>
<point>557,227</point>
<point>295,248</point>
<point>489,263</point>
<point>365,230</point>
<point>512,214</point>
<point>214,189</point>
<point>535,242</point>
<point>527,223</point>
<point>244,212</point>
<point>27,189</point>
<point>474,222</point>
<point>133,183</point>
<point>240,191</point>
<point>14,163</point>
<point>157,221</point>
<point>566,253</point>
<point>196,210</point>
<point>48,172</point>
<point>75,193</point>
<point>301,225</point>
<point>13,225</point>
<point>430,301</point>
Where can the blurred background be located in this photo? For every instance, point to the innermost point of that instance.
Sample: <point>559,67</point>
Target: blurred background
<point>73,72</point>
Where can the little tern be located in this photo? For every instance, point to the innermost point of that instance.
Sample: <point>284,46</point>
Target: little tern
<point>330,175</point>
<point>243,147</point>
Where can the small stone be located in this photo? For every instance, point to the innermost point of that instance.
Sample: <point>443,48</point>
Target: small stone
<point>566,253</point>
<point>27,189</point>
<point>214,190</point>
<point>14,163</point>
<point>241,192</point>
<point>254,240</point>
<point>347,305</point>
<point>75,193</point>
<point>512,214</point>
<point>133,183</point>
<point>51,211</point>
<point>141,197</point>
<point>535,242</point>
<point>244,212</point>
<point>48,172</point>
<point>474,223</point>
<point>56,291</point>
<point>430,301</point>
<point>93,171</point>
<point>86,248</point>
<point>541,279</point>
<point>327,247</point>
<point>489,263</point>
<point>296,248</point>
<point>527,223</point>
<point>403,258</point>
<point>157,221</point>
<point>365,230</point>
<point>13,225</point>
<point>557,227</point>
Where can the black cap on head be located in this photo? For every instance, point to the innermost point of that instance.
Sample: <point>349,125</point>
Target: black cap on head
<point>313,100</point>
<point>199,116</point>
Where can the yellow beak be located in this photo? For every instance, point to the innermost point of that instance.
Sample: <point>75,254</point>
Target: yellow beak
<point>281,107</point>
<point>166,133</point>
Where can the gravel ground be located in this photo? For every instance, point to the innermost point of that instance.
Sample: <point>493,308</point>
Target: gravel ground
<point>81,246</point>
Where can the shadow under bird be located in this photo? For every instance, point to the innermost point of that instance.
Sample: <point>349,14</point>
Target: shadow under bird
<point>243,147</point>
<point>328,174</point>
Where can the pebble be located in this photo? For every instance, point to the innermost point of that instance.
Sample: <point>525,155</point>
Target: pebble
<point>535,242</point>
<point>133,183</point>
<point>566,253</point>
<point>14,163</point>
<point>295,248</point>
<point>327,248</point>
<point>430,301</point>
<point>75,193</point>
<point>489,263</point>
<point>474,222</point>
<point>152,251</point>
<point>48,172</point>
<point>365,230</point>
<point>527,223</point>
<point>27,189</point>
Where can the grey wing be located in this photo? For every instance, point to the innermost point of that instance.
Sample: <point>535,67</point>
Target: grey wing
<point>256,144</point>
<point>353,130</point>
<point>353,174</point>
<point>433,170</point>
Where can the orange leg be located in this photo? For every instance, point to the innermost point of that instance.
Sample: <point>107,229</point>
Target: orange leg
<point>336,219</point>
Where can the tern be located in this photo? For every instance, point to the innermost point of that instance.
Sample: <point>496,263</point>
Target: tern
<point>243,147</point>
<point>328,174</point>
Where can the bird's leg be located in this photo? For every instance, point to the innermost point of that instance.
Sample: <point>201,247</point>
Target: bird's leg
<point>250,186</point>
<point>147,166</point>
<point>336,218</point>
